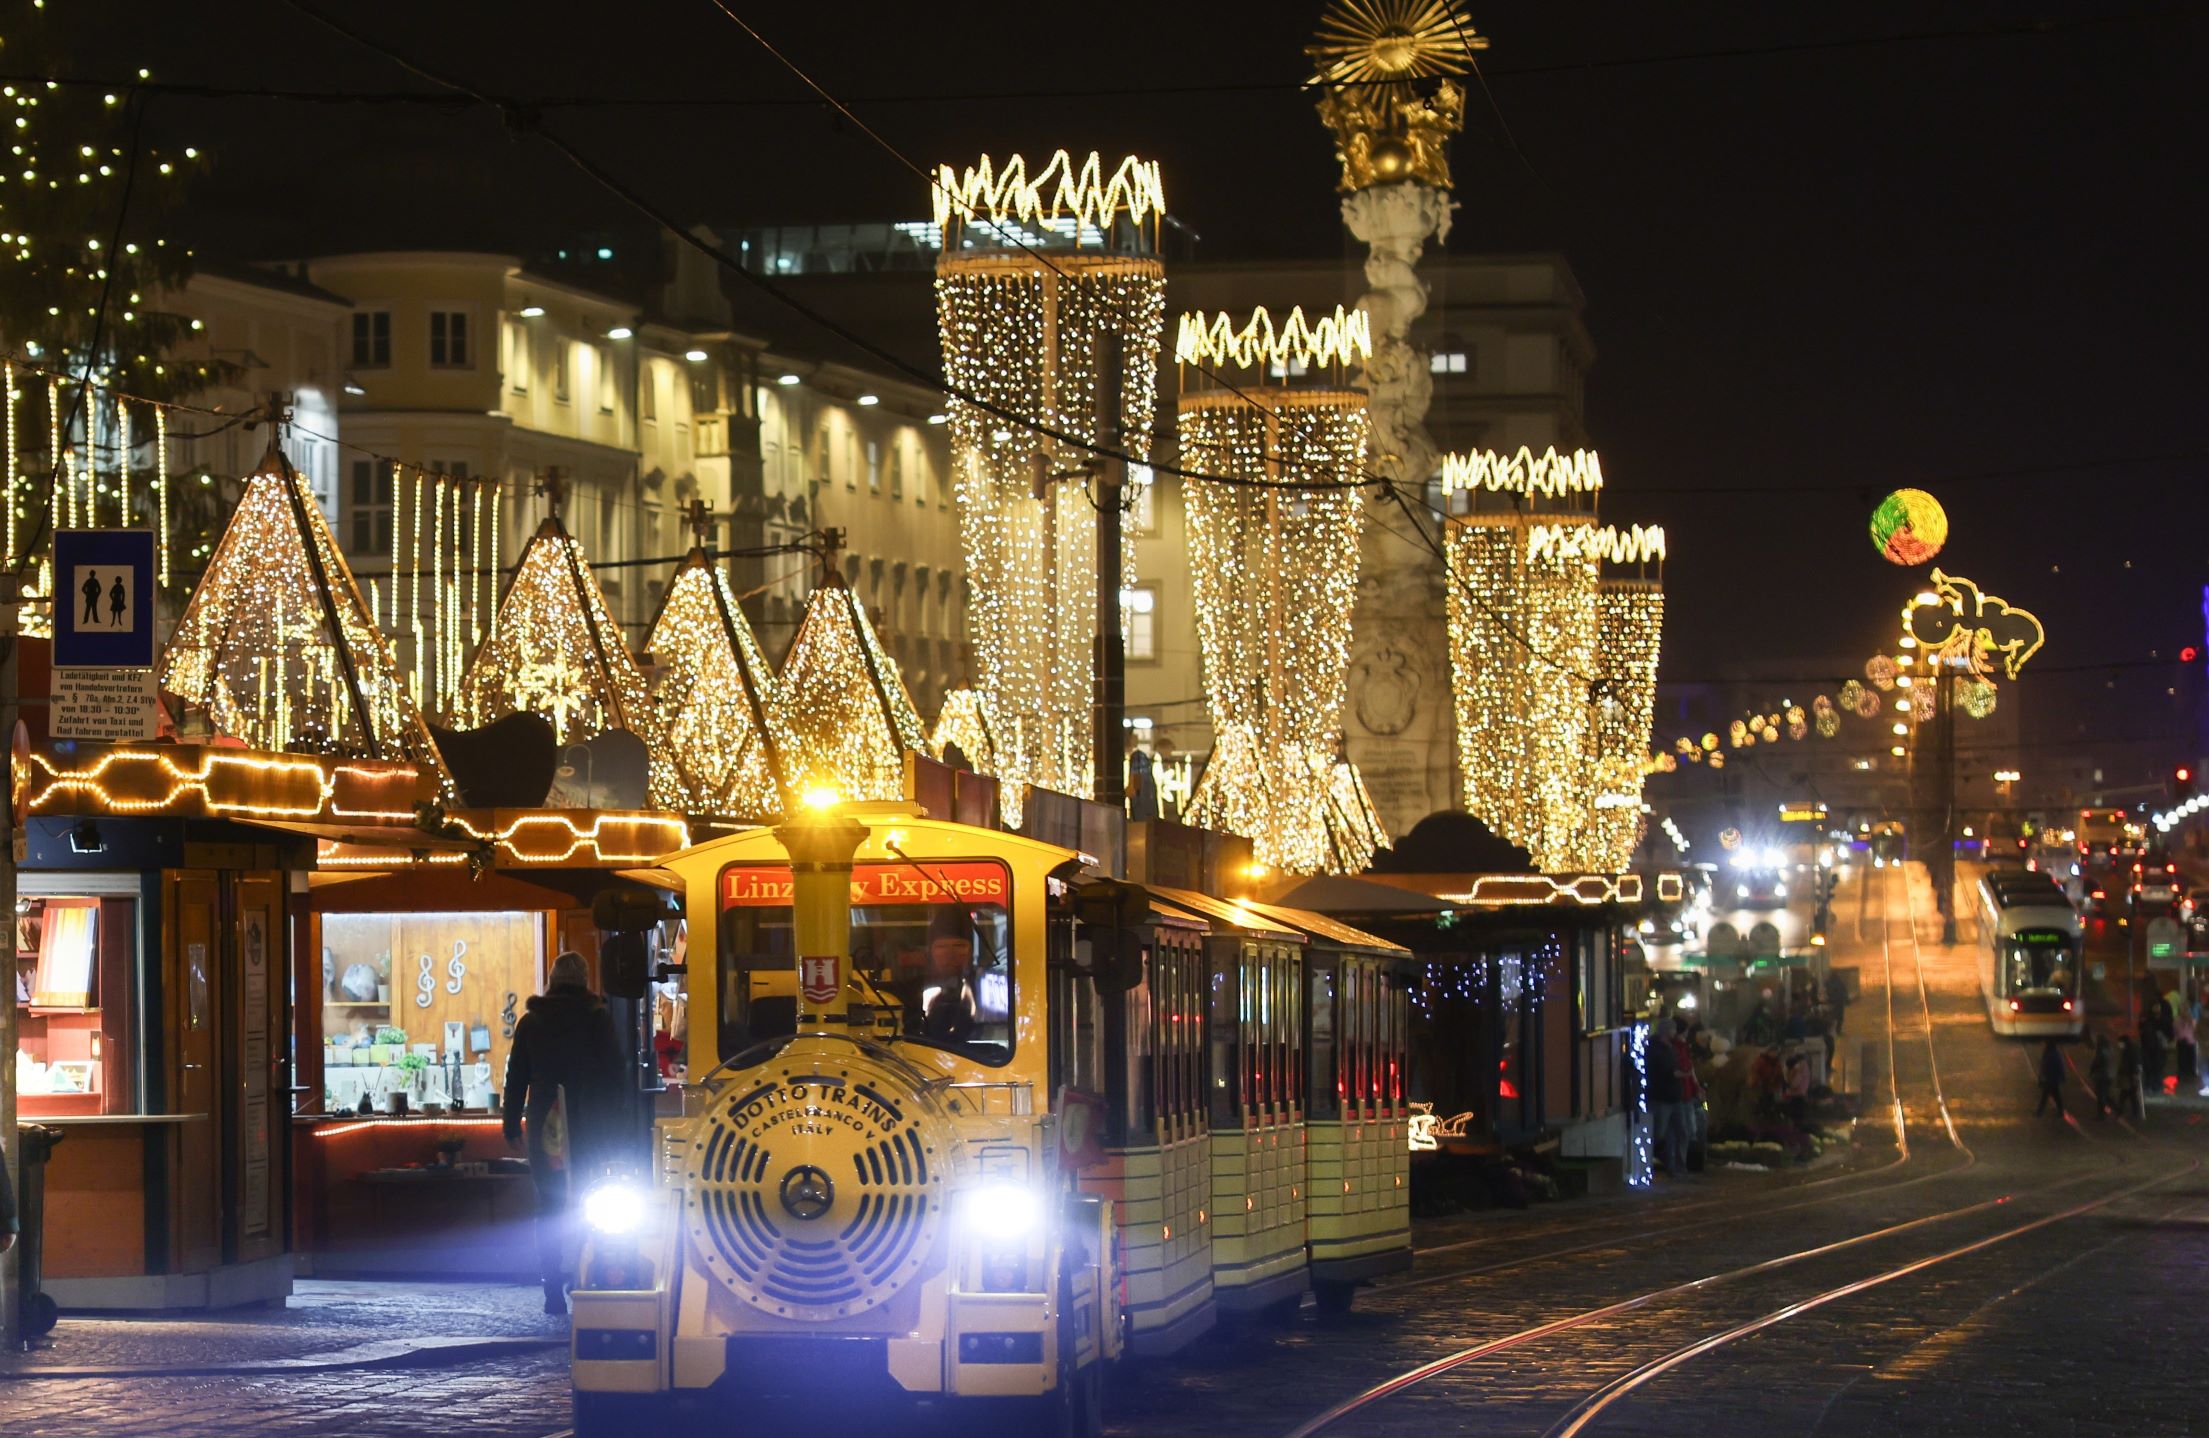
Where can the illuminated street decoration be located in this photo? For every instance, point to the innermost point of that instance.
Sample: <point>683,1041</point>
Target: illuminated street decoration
<point>1959,623</point>
<point>1909,527</point>
<point>1636,544</point>
<point>1023,333</point>
<point>1274,571</point>
<point>1548,475</point>
<point>1380,66</point>
<point>277,645</point>
<point>842,715</point>
<point>714,693</point>
<point>554,650</point>
<point>963,724</point>
<point>1524,633</point>
<point>1629,636</point>
<point>1342,338</point>
<point>188,781</point>
<point>521,838</point>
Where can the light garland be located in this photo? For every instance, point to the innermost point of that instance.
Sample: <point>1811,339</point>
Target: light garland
<point>843,717</point>
<point>527,837</point>
<point>1523,641</point>
<point>1549,474</point>
<point>161,490</point>
<point>1342,338</point>
<point>1630,634</point>
<point>714,692</point>
<point>554,649</point>
<point>255,646</point>
<point>1274,574</point>
<point>14,462</point>
<point>1022,334</point>
<point>1059,191</point>
<point>1636,544</point>
<point>964,723</point>
<point>190,781</point>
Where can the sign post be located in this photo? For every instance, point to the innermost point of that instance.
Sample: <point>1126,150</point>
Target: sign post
<point>104,687</point>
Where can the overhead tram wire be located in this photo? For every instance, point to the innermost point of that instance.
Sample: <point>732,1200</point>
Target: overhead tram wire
<point>2023,29</point>
<point>522,117</point>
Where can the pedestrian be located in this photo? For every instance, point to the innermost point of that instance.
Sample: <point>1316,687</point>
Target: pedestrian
<point>2152,1049</point>
<point>563,1076</point>
<point>2051,1079</point>
<point>1821,1029</point>
<point>1796,1105</point>
<point>1837,998</point>
<point>8,1223</point>
<point>2101,1075</point>
<point>2182,1045</point>
<point>2131,1091</point>
<point>1691,1095</point>
<point>1664,1101</point>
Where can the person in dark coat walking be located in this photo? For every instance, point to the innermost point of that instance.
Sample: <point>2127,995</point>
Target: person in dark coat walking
<point>2051,1079</point>
<point>563,1075</point>
<point>2102,1075</point>
<point>1668,1138</point>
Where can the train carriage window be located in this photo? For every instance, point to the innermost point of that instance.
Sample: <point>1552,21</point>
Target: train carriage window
<point>1292,1027</point>
<point>1226,1088</point>
<point>930,941</point>
<point>1142,1001</point>
<point>1320,1084</point>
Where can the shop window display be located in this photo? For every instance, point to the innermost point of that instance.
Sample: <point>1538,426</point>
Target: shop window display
<point>73,994</point>
<point>418,1010</point>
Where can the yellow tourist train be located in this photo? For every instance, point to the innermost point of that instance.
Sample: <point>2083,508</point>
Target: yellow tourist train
<point>968,1125</point>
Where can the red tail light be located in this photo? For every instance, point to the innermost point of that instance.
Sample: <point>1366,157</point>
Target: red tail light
<point>2066,1006</point>
<point>2015,1006</point>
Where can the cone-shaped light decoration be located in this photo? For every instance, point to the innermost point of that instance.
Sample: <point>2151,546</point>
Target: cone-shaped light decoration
<point>845,718</point>
<point>555,650</point>
<point>964,724</point>
<point>712,695</point>
<point>278,645</point>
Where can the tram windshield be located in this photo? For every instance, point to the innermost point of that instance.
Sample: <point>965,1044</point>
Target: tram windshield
<point>2041,961</point>
<point>930,939</point>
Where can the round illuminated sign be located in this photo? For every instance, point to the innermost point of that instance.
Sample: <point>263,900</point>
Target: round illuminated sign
<point>1909,527</point>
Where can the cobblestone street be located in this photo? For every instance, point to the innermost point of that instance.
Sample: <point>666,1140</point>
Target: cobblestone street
<point>1979,1262</point>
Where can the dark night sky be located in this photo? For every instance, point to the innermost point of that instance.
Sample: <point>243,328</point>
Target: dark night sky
<point>1811,276</point>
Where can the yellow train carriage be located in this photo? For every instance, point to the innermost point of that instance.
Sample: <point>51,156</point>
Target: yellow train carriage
<point>1141,1052</point>
<point>838,1213</point>
<point>1256,1100</point>
<point>1357,1019</point>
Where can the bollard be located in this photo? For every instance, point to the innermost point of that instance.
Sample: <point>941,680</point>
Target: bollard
<point>36,1312</point>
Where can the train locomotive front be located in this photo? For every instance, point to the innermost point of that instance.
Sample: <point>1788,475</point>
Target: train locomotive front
<point>840,1217</point>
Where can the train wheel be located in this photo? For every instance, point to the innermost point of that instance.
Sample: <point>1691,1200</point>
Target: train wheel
<point>1333,1298</point>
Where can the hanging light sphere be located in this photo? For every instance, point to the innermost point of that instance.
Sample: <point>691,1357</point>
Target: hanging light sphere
<point>1909,527</point>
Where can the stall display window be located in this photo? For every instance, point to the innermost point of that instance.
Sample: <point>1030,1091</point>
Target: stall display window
<point>418,1010</point>
<point>74,960</point>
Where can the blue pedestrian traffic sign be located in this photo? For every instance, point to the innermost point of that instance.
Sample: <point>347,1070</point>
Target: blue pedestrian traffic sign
<point>103,599</point>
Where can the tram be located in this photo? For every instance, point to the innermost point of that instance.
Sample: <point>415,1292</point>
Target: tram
<point>2029,951</point>
<point>999,1127</point>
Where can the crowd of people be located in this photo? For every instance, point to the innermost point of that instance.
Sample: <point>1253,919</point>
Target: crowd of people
<point>2162,1056</point>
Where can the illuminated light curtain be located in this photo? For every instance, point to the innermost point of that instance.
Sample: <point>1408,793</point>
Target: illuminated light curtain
<point>964,722</point>
<point>1275,571</point>
<point>554,649</point>
<point>843,716</point>
<point>257,648</point>
<point>1523,649</point>
<point>712,693</point>
<point>1630,633</point>
<point>1020,315</point>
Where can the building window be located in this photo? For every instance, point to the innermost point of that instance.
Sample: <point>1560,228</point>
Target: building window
<point>560,370</point>
<point>1454,362</point>
<point>648,395</point>
<point>1138,622</point>
<point>603,362</point>
<point>449,339</point>
<point>1142,499</point>
<point>897,471</point>
<point>874,467</point>
<point>516,345</point>
<point>368,508</point>
<point>821,452</point>
<point>371,339</point>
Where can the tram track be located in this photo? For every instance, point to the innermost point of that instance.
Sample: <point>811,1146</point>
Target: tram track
<point>1412,1378</point>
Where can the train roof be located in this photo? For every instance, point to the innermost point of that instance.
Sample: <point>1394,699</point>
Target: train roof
<point>1224,913</point>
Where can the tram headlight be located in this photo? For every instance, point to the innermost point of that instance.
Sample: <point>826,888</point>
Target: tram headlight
<point>614,1208</point>
<point>1003,1212</point>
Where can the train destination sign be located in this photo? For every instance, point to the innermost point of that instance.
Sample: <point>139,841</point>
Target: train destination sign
<point>965,881</point>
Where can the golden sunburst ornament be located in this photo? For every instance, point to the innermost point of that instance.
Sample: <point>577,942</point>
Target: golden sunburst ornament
<point>1364,42</point>
<point>1371,57</point>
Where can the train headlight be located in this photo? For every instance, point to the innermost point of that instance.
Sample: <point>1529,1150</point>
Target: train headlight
<point>614,1208</point>
<point>1003,1212</point>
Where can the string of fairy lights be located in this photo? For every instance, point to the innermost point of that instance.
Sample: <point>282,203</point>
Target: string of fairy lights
<point>1274,578</point>
<point>1027,334</point>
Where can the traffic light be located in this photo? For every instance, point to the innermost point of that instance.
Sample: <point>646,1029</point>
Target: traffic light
<point>2182,783</point>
